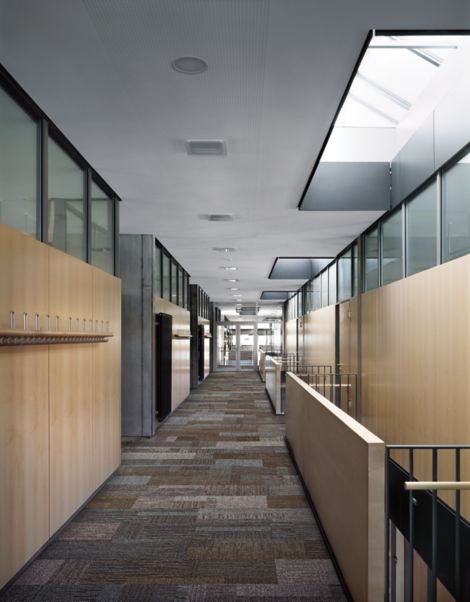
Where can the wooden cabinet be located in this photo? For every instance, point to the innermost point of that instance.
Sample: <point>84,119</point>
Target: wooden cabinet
<point>24,456</point>
<point>106,370</point>
<point>59,404</point>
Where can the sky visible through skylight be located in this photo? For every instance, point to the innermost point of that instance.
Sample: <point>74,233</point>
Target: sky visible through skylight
<point>394,72</point>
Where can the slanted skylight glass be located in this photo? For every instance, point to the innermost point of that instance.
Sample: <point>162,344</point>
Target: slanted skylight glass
<point>393,74</point>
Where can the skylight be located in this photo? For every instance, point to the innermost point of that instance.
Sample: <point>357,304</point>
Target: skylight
<point>392,75</point>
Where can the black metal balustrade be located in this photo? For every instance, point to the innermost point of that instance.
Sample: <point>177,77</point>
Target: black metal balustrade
<point>432,529</point>
<point>341,389</point>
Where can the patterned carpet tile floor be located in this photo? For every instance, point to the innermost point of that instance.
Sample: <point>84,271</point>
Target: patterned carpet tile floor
<point>211,508</point>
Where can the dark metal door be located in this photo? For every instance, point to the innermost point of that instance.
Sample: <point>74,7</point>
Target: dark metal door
<point>163,364</point>
<point>201,359</point>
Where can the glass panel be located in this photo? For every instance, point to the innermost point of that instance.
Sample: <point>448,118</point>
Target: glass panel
<point>66,187</point>
<point>102,229</point>
<point>174,283</point>
<point>332,284</point>
<point>317,293</point>
<point>186,291</point>
<point>355,268</point>
<point>166,277</point>
<point>392,248</point>
<point>456,210</point>
<point>157,271</point>
<point>247,346</point>
<point>18,167</point>
<point>371,260</point>
<point>324,288</point>
<point>421,243</point>
<point>227,350</point>
<point>180,288</point>
<point>344,276</point>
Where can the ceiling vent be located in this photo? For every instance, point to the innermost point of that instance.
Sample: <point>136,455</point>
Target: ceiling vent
<point>247,310</point>
<point>206,147</point>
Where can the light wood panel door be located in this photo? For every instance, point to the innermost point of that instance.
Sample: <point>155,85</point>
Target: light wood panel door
<point>70,390</point>
<point>24,410</point>
<point>24,457</point>
<point>106,377</point>
<point>348,356</point>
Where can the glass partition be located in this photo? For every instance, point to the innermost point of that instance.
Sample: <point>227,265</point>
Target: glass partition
<point>66,207</point>
<point>166,276</point>
<point>392,248</point>
<point>332,284</point>
<point>421,229</point>
<point>355,269</point>
<point>324,288</point>
<point>345,276</point>
<point>102,229</point>
<point>157,271</point>
<point>18,167</point>
<point>316,285</point>
<point>371,260</point>
<point>174,283</point>
<point>456,210</point>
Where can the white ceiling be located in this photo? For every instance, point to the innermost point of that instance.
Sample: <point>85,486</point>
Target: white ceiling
<point>277,70</point>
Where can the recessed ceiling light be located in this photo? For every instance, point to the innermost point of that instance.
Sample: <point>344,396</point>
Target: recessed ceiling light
<point>228,267</point>
<point>189,65</point>
<point>234,289</point>
<point>231,280</point>
<point>206,147</point>
<point>223,249</point>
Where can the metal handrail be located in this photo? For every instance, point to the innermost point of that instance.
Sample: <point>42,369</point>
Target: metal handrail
<point>412,485</point>
<point>437,485</point>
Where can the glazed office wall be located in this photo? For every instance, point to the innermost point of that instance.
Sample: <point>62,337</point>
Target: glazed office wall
<point>59,404</point>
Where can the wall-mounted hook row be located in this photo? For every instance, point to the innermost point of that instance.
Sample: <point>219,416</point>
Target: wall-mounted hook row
<point>73,325</point>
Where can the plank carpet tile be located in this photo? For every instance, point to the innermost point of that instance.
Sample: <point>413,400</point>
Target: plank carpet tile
<point>211,508</point>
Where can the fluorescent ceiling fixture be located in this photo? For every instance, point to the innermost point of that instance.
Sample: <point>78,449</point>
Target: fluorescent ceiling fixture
<point>229,267</point>
<point>224,249</point>
<point>393,73</point>
<point>231,280</point>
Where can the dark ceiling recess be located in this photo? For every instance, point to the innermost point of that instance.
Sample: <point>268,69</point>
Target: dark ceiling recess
<point>276,295</point>
<point>298,268</point>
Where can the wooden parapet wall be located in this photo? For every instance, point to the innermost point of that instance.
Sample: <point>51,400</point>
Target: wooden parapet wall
<point>342,464</point>
<point>272,372</point>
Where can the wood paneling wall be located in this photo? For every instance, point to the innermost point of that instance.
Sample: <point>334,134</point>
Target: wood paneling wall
<point>343,466</point>
<point>319,336</point>
<point>290,336</point>
<point>180,352</point>
<point>59,404</point>
<point>413,360</point>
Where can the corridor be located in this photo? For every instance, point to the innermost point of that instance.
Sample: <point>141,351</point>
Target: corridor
<point>210,508</point>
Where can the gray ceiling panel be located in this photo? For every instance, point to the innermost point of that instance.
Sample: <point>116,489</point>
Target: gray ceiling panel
<point>414,163</point>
